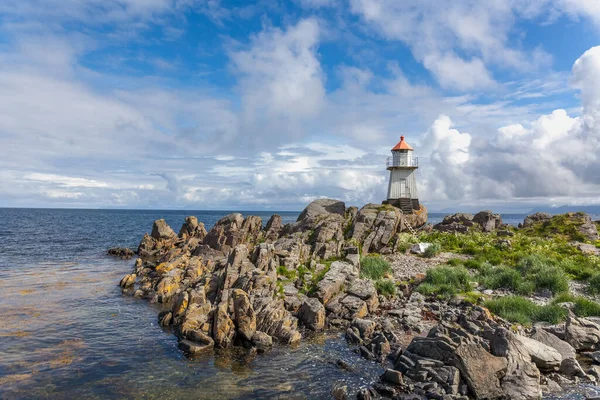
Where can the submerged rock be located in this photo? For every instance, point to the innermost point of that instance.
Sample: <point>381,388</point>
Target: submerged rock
<point>124,253</point>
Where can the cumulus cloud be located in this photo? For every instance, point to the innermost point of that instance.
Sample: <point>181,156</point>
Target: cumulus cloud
<point>552,159</point>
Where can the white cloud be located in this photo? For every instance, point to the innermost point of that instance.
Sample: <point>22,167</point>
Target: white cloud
<point>552,159</point>
<point>280,74</point>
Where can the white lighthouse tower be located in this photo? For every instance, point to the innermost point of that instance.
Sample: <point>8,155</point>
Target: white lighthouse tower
<point>402,188</point>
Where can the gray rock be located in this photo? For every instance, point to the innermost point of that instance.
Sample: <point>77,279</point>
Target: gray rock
<point>162,231</point>
<point>537,217</point>
<point>392,376</point>
<point>488,220</point>
<point>522,378</point>
<point>245,319</point>
<point>549,339</point>
<point>545,357</point>
<point>261,341</point>
<point>582,334</point>
<point>193,348</point>
<point>312,314</point>
<point>571,367</point>
<point>365,327</point>
<point>322,206</point>
<point>334,279</point>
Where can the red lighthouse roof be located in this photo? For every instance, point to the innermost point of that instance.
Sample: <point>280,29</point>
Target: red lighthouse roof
<point>402,145</point>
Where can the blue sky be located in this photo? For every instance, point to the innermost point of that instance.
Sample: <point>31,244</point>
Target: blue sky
<point>270,104</point>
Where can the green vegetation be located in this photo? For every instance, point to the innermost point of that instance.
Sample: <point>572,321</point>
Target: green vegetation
<point>404,241</point>
<point>385,287</point>
<point>523,311</point>
<point>374,267</point>
<point>583,307</point>
<point>432,250</point>
<point>594,282</point>
<point>283,271</point>
<point>445,282</point>
<point>563,226</point>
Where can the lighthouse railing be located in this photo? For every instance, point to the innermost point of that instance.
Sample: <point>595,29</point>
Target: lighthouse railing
<point>391,162</point>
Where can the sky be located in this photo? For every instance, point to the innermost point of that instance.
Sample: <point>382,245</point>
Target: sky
<point>252,105</point>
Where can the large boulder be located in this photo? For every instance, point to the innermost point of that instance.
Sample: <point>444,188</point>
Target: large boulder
<point>479,369</point>
<point>223,326</point>
<point>312,314</point>
<point>564,348</point>
<point>375,226</point>
<point>532,219</point>
<point>322,221</point>
<point>245,320</point>
<point>546,358</point>
<point>322,207</point>
<point>488,220</point>
<point>334,280</point>
<point>582,334</point>
<point>522,378</point>
<point>460,222</point>
<point>162,231</point>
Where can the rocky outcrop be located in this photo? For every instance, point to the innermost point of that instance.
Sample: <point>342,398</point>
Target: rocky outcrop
<point>485,221</point>
<point>532,219</point>
<point>488,221</point>
<point>162,231</point>
<point>192,228</point>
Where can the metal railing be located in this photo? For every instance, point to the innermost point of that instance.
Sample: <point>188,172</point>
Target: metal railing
<point>390,162</point>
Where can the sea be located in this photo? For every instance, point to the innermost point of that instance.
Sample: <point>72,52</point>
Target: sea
<point>67,331</point>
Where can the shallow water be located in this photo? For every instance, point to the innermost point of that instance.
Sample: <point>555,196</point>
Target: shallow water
<point>66,331</point>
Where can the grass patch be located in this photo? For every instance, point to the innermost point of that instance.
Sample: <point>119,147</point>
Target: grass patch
<point>583,307</point>
<point>432,250</point>
<point>445,282</point>
<point>594,282</point>
<point>374,267</point>
<point>543,273</point>
<point>385,287</point>
<point>523,311</point>
<point>288,273</point>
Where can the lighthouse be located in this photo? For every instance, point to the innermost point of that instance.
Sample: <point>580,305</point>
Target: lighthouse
<point>402,187</point>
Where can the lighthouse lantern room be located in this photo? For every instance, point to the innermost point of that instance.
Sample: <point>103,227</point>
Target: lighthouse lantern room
<point>402,188</point>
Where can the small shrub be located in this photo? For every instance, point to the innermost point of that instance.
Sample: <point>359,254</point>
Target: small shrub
<point>523,311</point>
<point>432,250</point>
<point>543,273</point>
<point>445,282</point>
<point>473,264</point>
<point>385,287</point>
<point>454,262</point>
<point>500,278</point>
<point>374,267</point>
<point>594,282</point>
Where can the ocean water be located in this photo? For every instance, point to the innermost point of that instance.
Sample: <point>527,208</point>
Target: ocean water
<point>68,332</point>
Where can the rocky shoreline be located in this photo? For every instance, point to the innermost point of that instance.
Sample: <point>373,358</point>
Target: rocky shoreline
<point>242,284</point>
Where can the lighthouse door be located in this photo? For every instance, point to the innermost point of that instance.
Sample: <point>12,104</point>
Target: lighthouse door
<point>403,188</point>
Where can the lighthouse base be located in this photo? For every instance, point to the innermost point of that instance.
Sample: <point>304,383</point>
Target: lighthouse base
<point>405,204</point>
